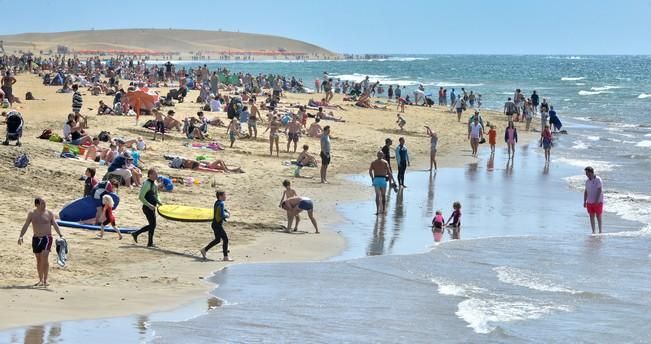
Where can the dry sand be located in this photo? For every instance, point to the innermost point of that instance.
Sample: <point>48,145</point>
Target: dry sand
<point>113,278</point>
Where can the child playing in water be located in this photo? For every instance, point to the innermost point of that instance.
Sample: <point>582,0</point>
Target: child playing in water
<point>437,225</point>
<point>456,220</point>
<point>401,122</point>
<point>492,138</point>
<point>107,211</point>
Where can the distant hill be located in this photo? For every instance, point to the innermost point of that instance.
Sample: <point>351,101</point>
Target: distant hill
<point>183,42</point>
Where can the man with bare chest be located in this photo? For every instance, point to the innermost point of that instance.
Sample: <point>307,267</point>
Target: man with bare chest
<point>379,170</point>
<point>42,221</point>
<point>293,133</point>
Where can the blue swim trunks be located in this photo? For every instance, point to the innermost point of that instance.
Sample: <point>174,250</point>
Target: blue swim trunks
<point>305,204</point>
<point>380,182</point>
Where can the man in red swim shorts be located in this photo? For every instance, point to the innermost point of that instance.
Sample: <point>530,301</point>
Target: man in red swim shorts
<point>593,197</point>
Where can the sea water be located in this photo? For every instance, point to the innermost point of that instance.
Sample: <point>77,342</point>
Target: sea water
<point>525,270</point>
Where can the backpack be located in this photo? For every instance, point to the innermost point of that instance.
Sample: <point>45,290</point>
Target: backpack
<point>206,107</point>
<point>55,138</point>
<point>21,161</point>
<point>149,124</point>
<point>29,96</point>
<point>46,134</point>
<point>176,163</point>
<point>104,136</point>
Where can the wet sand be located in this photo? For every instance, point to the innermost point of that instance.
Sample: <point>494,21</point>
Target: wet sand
<point>519,187</point>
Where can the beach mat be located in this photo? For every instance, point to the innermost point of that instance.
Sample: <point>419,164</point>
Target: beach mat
<point>90,227</point>
<point>185,213</point>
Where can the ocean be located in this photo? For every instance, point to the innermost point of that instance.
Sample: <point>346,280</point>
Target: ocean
<point>526,268</point>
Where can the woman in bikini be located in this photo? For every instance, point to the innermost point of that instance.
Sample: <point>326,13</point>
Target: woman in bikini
<point>273,127</point>
<point>434,139</point>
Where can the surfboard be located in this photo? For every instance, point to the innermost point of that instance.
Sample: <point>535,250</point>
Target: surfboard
<point>71,224</point>
<point>83,209</point>
<point>185,213</point>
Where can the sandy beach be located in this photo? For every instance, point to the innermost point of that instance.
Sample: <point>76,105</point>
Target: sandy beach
<point>113,278</point>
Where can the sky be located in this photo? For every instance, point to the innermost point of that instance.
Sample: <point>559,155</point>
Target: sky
<point>572,27</point>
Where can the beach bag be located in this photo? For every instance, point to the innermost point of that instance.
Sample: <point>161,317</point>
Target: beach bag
<point>55,138</point>
<point>21,161</point>
<point>29,96</point>
<point>176,163</point>
<point>206,107</point>
<point>149,124</point>
<point>104,136</point>
<point>46,134</point>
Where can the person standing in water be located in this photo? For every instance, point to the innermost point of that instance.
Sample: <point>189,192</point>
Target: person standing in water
<point>379,170</point>
<point>546,142</point>
<point>42,221</point>
<point>402,159</point>
<point>511,138</point>
<point>150,200</point>
<point>220,214</point>
<point>434,140</point>
<point>593,197</point>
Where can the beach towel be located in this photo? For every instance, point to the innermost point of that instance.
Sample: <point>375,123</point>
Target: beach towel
<point>62,251</point>
<point>216,146</point>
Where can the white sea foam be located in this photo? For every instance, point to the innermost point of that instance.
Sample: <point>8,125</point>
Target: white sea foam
<point>647,135</point>
<point>578,144</point>
<point>530,279</point>
<point>596,164</point>
<point>451,289</point>
<point>605,88</point>
<point>383,79</point>
<point>455,84</point>
<point>628,205</point>
<point>580,83</point>
<point>645,143</point>
<point>644,232</point>
<point>593,138</point>
<point>568,78</point>
<point>482,309</point>
<point>644,96</point>
<point>481,314</point>
<point>567,99</point>
<point>404,59</point>
<point>591,93</point>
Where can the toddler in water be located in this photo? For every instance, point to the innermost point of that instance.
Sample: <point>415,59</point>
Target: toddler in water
<point>107,211</point>
<point>456,220</point>
<point>401,122</point>
<point>437,226</point>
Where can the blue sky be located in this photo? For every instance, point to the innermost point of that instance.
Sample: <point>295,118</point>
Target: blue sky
<point>364,26</point>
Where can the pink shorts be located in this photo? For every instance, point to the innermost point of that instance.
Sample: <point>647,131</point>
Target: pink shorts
<point>595,208</point>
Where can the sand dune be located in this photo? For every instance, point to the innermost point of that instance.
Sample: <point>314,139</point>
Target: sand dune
<point>169,40</point>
